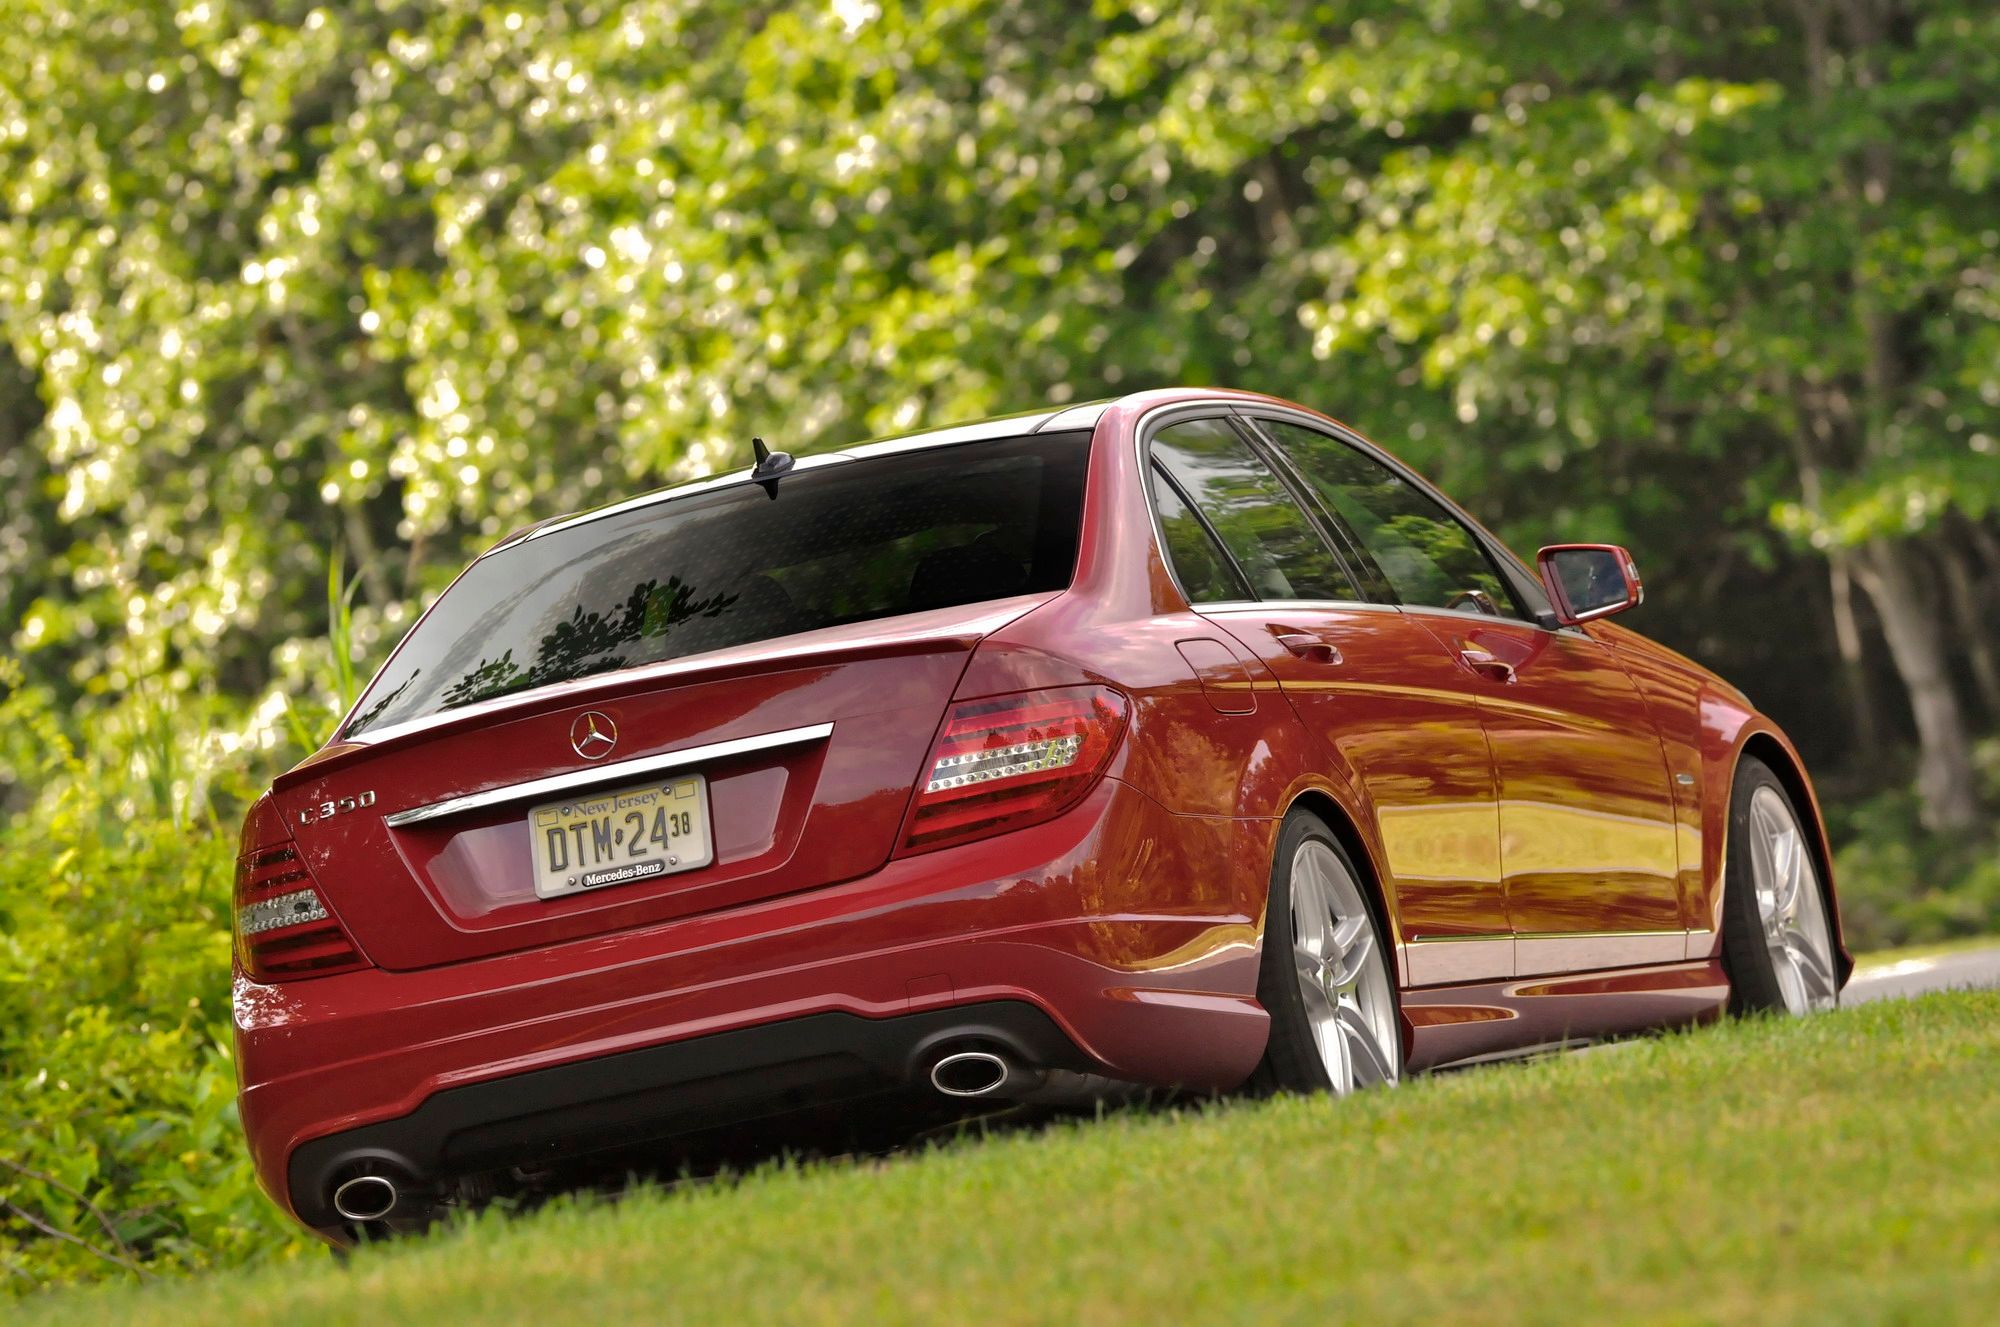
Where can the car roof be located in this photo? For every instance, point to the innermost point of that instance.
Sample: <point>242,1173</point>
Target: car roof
<point>1051,420</point>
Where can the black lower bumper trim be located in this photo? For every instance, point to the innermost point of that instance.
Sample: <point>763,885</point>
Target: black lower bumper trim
<point>660,1092</point>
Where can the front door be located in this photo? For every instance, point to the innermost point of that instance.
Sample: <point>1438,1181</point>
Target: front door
<point>1389,704</point>
<point>1587,834</point>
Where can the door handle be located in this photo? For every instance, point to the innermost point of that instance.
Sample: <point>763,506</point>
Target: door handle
<point>1486,665</point>
<point>1308,647</point>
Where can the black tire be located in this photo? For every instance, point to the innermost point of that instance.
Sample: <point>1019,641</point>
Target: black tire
<point>1292,1059</point>
<point>1756,984</point>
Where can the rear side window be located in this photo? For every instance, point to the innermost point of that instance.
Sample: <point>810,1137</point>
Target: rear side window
<point>1425,553</point>
<point>845,543</point>
<point>1206,574</point>
<point>1258,521</point>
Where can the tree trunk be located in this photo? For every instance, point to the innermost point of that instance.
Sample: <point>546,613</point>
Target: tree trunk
<point>1962,587</point>
<point>1916,642</point>
<point>1853,663</point>
<point>1987,544</point>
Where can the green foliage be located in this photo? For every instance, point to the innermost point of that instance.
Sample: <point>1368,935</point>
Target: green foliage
<point>403,277</point>
<point>1900,885</point>
<point>117,1100</point>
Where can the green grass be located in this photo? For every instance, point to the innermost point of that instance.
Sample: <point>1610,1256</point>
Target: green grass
<point>1839,1169</point>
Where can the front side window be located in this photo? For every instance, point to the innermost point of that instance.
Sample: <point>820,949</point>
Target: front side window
<point>843,543</point>
<point>1264,529</point>
<point>1424,552</point>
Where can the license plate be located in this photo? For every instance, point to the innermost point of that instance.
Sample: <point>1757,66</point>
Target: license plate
<point>620,837</point>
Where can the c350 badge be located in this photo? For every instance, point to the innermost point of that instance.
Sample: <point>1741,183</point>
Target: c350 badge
<point>339,807</point>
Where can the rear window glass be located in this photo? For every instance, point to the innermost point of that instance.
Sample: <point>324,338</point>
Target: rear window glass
<point>847,543</point>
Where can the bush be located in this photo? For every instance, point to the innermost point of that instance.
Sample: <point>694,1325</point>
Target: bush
<point>1900,884</point>
<point>117,1091</point>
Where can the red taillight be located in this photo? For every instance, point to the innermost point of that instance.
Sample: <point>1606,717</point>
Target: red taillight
<point>1011,761</point>
<point>283,929</point>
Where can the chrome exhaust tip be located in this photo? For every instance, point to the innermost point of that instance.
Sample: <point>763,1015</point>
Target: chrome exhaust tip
<point>365,1198</point>
<point>989,1074</point>
<point>969,1074</point>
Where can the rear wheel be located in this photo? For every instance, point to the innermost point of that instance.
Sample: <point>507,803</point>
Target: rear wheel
<point>1777,941</point>
<point>1325,977</point>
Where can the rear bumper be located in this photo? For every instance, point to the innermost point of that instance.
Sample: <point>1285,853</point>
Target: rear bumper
<point>683,1087</point>
<point>1129,930</point>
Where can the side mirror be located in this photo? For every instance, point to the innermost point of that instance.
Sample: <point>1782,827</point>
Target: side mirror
<point>1589,581</point>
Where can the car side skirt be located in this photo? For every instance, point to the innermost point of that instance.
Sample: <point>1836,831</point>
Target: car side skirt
<point>1447,1025</point>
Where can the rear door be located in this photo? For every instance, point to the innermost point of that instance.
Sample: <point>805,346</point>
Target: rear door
<point>1378,690</point>
<point>1587,839</point>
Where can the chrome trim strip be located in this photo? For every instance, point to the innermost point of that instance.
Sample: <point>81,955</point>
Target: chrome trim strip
<point>1240,607</point>
<point>1597,935</point>
<point>1545,955</point>
<point>600,775</point>
<point>1494,619</point>
<point>1458,960</point>
<point>1576,633</point>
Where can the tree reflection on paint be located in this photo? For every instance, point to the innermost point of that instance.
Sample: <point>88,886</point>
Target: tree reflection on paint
<point>589,642</point>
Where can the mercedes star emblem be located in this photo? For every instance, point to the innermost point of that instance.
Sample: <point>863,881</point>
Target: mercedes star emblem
<point>593,735</point>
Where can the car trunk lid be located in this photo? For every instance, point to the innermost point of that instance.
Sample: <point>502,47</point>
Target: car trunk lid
<point>808,748</point>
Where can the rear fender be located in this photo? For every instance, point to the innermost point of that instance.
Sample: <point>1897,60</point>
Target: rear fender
<point>1180,749</point>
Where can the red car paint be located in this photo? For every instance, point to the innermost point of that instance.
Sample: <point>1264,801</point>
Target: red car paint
<point>1544,814</point>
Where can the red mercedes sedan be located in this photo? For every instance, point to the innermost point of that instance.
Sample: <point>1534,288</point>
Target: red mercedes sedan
<point>1183,741</point>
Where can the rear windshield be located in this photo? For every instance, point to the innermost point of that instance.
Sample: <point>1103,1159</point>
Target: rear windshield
<point>847,543</point>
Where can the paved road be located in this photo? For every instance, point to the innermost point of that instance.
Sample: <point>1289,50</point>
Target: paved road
<point>1914,976</point>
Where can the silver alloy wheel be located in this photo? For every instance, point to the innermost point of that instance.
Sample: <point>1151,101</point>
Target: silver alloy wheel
<point>1343,973</point>
<point>1791,905</point>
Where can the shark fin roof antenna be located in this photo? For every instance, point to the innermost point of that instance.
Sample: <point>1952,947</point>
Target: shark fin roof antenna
<point>770,466</point>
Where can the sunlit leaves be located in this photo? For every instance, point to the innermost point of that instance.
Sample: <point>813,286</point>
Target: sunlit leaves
<point>405,277</point>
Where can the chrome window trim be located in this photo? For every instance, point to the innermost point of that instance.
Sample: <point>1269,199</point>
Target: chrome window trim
<point>1298,606</point>
<point>601,775</point>
<point>1421,610</point>
<point>1425,610</point>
